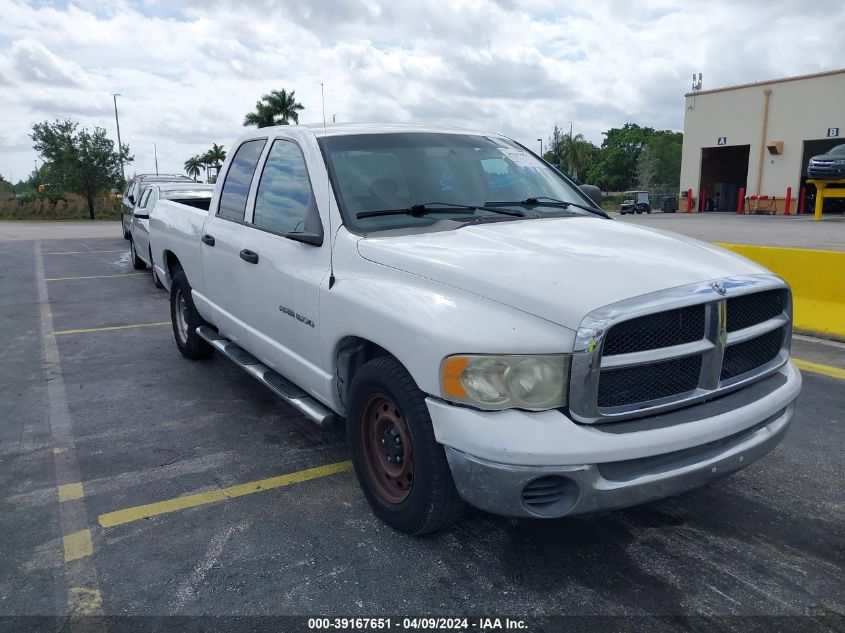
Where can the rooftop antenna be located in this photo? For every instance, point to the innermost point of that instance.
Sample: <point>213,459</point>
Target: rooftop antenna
<point>328,194</point>
<point>696,86</point>
<point>696,82</point>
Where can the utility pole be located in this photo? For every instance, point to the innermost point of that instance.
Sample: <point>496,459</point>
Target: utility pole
<point>541,147</point>
<point>155,155</point>
<point>119,145</point>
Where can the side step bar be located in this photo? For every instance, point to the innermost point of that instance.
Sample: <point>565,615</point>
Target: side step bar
<point>278,384</point>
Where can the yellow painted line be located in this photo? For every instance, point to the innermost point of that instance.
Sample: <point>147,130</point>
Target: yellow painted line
<point>818,368</point>
<point>128,515</point>
<point>59,451</point>
<point>123,250</point>
<point>69,492</point>
<point>110,328</point>
<point>94,277</point>
<point>84,601</point>
<point>78,545</point>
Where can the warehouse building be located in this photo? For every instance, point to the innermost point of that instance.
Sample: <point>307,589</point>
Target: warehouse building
<point>757,139</point>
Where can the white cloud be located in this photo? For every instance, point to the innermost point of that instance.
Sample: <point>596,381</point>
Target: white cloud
<point>189,71</point>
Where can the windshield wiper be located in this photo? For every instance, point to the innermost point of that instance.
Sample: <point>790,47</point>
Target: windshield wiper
<point>419,210</point>
<point>544,201</point>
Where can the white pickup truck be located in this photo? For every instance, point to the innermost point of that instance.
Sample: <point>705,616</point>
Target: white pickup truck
<point>488,334</point>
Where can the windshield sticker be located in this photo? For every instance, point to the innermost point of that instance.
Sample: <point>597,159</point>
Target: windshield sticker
<point>518,156</point>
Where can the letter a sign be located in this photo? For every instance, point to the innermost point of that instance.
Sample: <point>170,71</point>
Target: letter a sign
<point>723,140</point>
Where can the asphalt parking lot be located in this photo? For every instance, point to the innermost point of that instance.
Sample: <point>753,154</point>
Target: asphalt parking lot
<point>202,493</point>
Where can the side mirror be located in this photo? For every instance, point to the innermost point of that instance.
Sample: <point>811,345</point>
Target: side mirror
<point>593,193</point>
<point>131,199</point>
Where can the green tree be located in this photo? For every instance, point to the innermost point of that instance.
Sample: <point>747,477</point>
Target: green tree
<point>646,169</point>
<point>193,166</point>
<point>276,108</point>
<point>80,162</point>
<point>6,186</point>
<point>216,155</point>
<point>666,147</point>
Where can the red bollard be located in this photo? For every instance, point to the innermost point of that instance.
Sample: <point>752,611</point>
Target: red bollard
<point>802,200</point>
<point>689,200</point>
<point>740,204</point>
<point>788,201</point>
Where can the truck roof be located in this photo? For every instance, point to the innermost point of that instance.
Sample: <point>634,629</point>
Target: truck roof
<point>342,129</point>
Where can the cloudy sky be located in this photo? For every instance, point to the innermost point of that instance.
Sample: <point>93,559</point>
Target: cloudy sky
<point>189,70</point>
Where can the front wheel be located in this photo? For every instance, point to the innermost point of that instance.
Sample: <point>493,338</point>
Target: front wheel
<point>399,464</point>
<point>186,320</point>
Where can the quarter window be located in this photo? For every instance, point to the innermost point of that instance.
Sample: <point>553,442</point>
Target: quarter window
<point>285,201</point>
<point>238,178</point>
<point>144,198</point>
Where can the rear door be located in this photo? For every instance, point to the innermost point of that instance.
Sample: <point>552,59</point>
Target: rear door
<point>223,262</point>
<point>282,288</point>
<point>141,223</point>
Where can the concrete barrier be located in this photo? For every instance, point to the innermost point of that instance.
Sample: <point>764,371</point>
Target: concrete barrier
<point>817,279</point>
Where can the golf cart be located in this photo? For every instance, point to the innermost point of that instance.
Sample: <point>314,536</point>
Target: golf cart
<point>635,202</point>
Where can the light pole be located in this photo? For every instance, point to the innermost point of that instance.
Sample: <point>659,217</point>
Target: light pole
<point>541,147</point>
<point>119,145</point>
<point>155,155</point>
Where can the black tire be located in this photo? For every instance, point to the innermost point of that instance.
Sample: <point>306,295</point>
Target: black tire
<point>182,303</point>
<point>431,501</point>
<point>156,280</point>
<point>137,262</point>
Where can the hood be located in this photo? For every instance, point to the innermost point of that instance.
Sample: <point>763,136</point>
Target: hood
<point>558,269</point>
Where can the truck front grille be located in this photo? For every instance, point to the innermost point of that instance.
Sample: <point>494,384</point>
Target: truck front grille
<point>749,355</point>
<point>672,327</point>
<point>665,359</point>
<point>618,387</point>
<point>748,310</point>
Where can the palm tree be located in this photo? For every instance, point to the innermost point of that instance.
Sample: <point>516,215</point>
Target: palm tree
<point>573,153</point>
<point>216,155</point>
<point>193,166</point>
<point>277,108</point>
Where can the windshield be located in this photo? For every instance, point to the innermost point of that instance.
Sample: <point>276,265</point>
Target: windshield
<point>838,150</point>
<point>372,172</point>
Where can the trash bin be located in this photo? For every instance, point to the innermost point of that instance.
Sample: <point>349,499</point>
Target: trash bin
<point>670,204</point>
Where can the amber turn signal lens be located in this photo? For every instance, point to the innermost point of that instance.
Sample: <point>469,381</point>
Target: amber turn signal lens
<point>451,376</point>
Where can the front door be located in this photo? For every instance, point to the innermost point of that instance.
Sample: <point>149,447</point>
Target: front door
<point>223,267</point>
<point>282,288</point>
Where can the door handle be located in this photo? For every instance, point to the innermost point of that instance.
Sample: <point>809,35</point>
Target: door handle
<point>208,239</point>
<point>249,256</point>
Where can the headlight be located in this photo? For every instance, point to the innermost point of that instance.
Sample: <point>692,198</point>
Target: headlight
<point>839,162</point>
<point>506,382</point>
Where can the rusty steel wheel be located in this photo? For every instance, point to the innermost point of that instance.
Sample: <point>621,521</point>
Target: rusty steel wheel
<point>387,450</point>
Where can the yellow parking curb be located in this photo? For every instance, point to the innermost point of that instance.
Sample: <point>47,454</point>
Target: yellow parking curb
<point>818,368</point>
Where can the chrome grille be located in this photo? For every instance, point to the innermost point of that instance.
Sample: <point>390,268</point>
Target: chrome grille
<point>753,353</point>
<point>748,310</point>
<point>672,327</point>
<point>677,347</point>
<point>618,387</point>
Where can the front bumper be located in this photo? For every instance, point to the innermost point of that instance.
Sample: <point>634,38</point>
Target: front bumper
<point>555,491</point>
<point>544,465</point>
<point>826,173</point>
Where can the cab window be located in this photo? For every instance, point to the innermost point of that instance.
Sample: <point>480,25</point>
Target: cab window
<point>238,178</point>
<point>144,198</point>
<point>285,201</point>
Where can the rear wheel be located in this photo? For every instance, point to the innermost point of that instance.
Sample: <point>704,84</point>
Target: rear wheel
<point>137,262</point>
<point>186,320</point>
<point>400,466</point>
<point>156,280</point>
